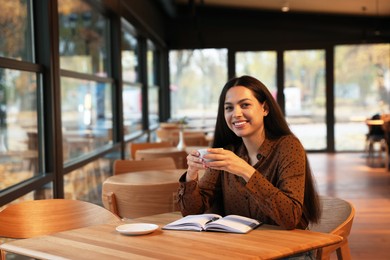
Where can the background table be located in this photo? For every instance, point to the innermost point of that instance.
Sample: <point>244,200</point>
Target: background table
<point>180,156</point>
<point>103,242</point>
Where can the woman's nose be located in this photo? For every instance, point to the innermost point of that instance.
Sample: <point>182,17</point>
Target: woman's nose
<point>237,112</point>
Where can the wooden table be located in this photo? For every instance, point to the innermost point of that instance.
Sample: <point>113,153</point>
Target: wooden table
<point>143,193</point>
<point>103,242</point>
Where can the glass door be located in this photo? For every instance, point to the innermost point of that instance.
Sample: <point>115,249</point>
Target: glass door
<point>305,96</point>
<point>362,90</point>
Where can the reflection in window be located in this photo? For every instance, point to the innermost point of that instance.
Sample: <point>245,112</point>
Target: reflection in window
<point>132,88</point>
<point>153,88</point>
<point>85,183</point>
<point>132,108</point>
<point>18,127</point>
<point>83,36</point>
<point>86,116</point>
<point>305,96</point>
<point>153,105</point>
<point>259,64</point>
<point>129,54</point>
<point>362,89</point>
<point>197,78</point>
<point>150,55</point>
<point>16,30</point>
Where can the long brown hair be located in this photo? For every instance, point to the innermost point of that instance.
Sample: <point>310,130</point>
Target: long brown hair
<point>275,126</point>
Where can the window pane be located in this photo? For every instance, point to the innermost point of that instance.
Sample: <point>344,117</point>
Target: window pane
<point>85,183</point>
<point>261,65</point>
<point>129,55</point>
<point>305,96</point>
<point>197,78</point>
<point>18,127</point>
<point>153,88</point>
<point>83,34</point>
<point>151,64</point>
<point>132,108</point>
<point>16,30</point>
<point>153,105</point>
<point>86,116</point>
<point>362,85</point>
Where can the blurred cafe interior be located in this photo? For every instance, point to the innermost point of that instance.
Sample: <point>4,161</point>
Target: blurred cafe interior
<point>81,81</point>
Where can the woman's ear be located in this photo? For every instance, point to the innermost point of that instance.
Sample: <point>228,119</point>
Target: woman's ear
<point>265,108</point>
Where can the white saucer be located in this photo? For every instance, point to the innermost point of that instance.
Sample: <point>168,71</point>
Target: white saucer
<point>136,228</point>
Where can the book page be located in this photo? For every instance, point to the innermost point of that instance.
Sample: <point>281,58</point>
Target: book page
<point>191,222</point>
<point>233,223</point>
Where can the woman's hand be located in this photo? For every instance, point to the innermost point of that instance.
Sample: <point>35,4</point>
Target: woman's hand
<point>221,159</point>
<point>195,163</point>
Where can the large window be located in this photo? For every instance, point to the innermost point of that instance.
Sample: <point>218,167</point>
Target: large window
<point>20,83</point>
<point>362,89</point>
<point>261,65</point>
<point>305,96</point>
<point>197,78</point>
<point>132,88</point>
<point>153,85</point>
<point>86,90</point>
<point>16,41</point>
<point>304,89</point>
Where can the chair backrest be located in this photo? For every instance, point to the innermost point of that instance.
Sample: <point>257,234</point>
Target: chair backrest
<point>139,201</point>
<point>165,135</point>
<point>125,166</point>
<point>147,145</point>
<point>337,217</point>
<point>180,157</point>
<point>41,217</point>
<point>191,138</point>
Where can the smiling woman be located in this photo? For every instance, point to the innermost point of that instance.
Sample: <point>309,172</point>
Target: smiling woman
<point>262,172</point>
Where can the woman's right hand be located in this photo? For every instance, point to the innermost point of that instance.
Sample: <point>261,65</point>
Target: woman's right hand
<point>195,163</point>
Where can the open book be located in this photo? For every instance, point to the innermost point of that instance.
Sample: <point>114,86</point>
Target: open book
<point>214,222</point>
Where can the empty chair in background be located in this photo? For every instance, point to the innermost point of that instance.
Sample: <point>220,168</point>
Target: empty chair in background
<point>134,147</point>
<point>126,166</point>
<point>180,157</point>
<point>375,137</point>
<point>191,138</point>
<point>141,193</point>
<point>109,195</point>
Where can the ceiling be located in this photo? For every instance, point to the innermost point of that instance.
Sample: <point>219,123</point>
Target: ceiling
<point>344,7</point>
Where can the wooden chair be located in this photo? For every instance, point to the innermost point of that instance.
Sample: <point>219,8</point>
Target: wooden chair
<point>191,138</point>
<point>109,198</point>
<point>337,217</point>
<point>125,166</point>
<point>180,157</point>
<point>137,146</point>
<point>141,201</point>
<point>42,217</point>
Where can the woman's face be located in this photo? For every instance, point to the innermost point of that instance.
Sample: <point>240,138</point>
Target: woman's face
<point>244,114</point>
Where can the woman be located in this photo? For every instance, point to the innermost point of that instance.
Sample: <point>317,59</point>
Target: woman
<point>258,168</point>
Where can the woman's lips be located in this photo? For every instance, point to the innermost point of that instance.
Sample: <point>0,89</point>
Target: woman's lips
<point>239,124</point>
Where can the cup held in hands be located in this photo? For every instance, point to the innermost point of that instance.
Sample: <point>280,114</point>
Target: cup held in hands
<point>203,152</point>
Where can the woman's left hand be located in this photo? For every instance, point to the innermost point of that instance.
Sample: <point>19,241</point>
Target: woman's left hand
<point>226,160</point>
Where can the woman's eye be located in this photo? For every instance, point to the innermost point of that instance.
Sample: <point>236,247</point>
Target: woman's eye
<point>245,105</point>
<point>228,108</point>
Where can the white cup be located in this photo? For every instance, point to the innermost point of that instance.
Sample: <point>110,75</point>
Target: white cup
<point>202,153</point>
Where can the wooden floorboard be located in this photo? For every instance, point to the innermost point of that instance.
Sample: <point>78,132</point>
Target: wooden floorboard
<point>348,176</point>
